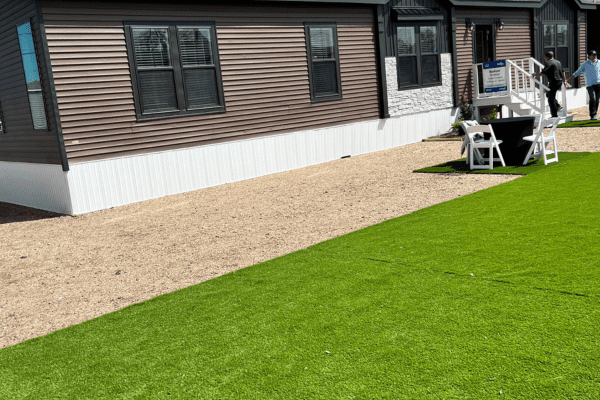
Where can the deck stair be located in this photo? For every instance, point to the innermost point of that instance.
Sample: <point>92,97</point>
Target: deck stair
<point>525,95</point>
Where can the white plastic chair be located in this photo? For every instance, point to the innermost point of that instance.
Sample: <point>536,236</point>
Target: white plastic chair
<point>465,145</point>
<point>539,142</point>
<point>489,144</point>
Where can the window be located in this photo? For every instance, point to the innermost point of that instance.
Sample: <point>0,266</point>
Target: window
<point>32,77</point>
<point>418,58</point>
<point>555,36</point>
<point>323,61</point>
<point>175,69</point>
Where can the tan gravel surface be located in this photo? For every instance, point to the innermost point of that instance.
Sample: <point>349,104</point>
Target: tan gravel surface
<point>60,271</point>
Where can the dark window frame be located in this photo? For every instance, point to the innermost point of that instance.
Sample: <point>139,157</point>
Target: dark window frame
<point>319,98</point>
<point>570,49</point>
<point>177,67</point>
<point>417,24</point>
<point>41,90</point>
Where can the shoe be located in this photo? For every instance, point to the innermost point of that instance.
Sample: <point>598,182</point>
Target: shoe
<point>593,118</point>
<point>559,108</point>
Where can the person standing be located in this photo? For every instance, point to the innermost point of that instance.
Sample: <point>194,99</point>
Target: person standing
<point>556,76</point>
<point>592,80</point>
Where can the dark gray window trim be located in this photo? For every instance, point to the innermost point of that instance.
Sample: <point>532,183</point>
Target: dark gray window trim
<point>178,70</point>
<point>419,84</point>
<point>2,128</point>
<point>333,25</point>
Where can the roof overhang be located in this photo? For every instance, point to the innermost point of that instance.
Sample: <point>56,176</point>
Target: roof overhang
<point>418,13</point>
<point>584,5</point>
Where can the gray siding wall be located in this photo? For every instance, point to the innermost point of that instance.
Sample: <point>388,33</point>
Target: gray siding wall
<point>20,142</point>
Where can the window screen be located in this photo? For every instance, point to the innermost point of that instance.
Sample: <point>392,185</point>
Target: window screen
<point>323,62</point>
<point>176,69</point>
<point>32,76</point>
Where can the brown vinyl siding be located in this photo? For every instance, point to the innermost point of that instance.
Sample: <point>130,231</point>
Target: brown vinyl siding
<point>264,70</point>
<point>512,42</point>
<point>20,142</point>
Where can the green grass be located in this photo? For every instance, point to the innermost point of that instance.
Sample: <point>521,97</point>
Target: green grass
<point>460,166</point>
<point>395,305</point>
<point>580,124</point>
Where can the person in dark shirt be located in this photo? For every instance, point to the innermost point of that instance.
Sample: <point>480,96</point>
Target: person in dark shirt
<point>556,76</point>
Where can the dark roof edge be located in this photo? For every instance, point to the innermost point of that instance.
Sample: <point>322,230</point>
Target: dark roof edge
<point>503,4</point>
<point>516,4</point>
<point>332,1</point>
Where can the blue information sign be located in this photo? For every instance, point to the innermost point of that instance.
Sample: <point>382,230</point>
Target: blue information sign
<point>494,76</point>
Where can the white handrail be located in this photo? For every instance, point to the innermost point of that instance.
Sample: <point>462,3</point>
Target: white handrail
<point>522,85</point>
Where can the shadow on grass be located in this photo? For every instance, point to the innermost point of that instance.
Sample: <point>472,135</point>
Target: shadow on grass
<point>460,166</point>
<point>11,213</point>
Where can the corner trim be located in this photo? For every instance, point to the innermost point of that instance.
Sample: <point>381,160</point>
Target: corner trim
<point>59,134</point>
<point>381,45</point>
<point>454,55</point>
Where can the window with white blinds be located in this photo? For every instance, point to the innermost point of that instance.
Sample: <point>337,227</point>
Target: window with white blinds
<point>418,58</point>
<point>175,68</point>
<point>323,61</point>
<point>32,76</point>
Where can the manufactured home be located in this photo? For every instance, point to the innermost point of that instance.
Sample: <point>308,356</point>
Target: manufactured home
<point>109,103</point>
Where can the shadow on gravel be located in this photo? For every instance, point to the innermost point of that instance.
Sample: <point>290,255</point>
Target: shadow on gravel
<point>11,213</point>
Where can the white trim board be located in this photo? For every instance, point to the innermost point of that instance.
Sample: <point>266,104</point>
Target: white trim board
<point>97,185</point>
<point>41,186</point>
<point>102,184</point>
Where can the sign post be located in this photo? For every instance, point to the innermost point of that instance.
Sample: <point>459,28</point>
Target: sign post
<point>495,76</point>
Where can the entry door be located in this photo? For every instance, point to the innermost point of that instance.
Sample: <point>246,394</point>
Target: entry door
<point>484,48</point>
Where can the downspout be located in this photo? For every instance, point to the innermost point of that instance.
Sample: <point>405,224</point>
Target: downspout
<point>50,82</point>
<point>381,46</point>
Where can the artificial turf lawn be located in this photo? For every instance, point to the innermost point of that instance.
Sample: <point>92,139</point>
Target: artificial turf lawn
<point>580,124</point>
<point>460,166</point>
<point>394,304</point>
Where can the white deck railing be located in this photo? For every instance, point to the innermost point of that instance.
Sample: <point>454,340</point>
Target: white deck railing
<point>522,86</point>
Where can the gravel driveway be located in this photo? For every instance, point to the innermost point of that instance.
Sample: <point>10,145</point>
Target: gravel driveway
<point>58,271</point>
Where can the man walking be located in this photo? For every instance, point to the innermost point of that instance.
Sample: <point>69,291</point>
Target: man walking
<point>592,80</point>
<point>556,76</point>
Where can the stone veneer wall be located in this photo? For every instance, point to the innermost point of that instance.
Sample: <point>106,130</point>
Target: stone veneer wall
<point>405,102</point>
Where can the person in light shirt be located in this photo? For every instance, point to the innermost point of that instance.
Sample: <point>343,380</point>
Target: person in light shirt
<point>592,80</point>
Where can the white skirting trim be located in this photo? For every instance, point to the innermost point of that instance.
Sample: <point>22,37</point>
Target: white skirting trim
<point>41,186</point>
<point>576,98</point>
<point>97,185</point>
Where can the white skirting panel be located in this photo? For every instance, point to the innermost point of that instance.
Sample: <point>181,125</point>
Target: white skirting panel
<point>576,98</point>
<point>102,184</point>
<point>41,186</point>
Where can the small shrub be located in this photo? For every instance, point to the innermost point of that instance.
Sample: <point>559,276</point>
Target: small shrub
<point>466,110</point>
